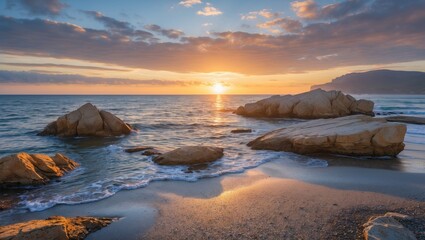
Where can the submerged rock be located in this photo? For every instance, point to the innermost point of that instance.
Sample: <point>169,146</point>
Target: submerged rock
<point>190,155</point>
<point>87,121</point>
<point>24,168</point>
<point>241,130</point>
<point>386,227</point>
<point>137,149</point>
<point>5,204</point>
<point>56,227</point>
<point>151,152</point>
<point>309,105</point>
<point>407,119</point>
<point>353,135</point>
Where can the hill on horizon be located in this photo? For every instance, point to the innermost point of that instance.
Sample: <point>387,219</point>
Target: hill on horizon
<point>378,82</point>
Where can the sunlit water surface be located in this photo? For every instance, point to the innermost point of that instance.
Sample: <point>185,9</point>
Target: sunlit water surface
<point>167,122</point>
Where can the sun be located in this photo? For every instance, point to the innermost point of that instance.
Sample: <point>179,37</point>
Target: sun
<point>218,88</point>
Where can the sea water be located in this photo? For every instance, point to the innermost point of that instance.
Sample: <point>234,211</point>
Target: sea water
<point>166,122</point>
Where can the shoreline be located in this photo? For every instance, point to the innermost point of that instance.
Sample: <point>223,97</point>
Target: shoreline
<point>288,197</point>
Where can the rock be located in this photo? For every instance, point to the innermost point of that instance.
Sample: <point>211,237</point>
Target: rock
<point>386,228</point>
<point>56,227</point>
<point>5,204</point>
<point>87,121</point>
<point>137,149</point>
<point>241,130</point>
<point>151,152</point>
<point>406,119</point>
<point>190,155</point>
<point>357,135</point>
<point>24,168</point>
<point>309,105</point>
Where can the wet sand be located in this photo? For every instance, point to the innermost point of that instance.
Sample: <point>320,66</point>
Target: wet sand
<point>273,201</point>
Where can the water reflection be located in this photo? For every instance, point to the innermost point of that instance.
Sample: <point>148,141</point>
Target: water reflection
<point>218,104</point>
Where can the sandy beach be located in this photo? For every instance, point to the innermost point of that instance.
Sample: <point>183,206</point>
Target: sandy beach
<point>273,201</point>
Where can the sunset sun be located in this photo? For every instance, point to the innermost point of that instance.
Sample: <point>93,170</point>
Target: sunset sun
<point>218,88</point>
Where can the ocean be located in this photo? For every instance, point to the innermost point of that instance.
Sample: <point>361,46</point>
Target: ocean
<point>168,122</point>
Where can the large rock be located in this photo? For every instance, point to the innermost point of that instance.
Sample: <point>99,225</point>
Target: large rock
<point>56,227</point>
<point>190,155</point>
<point>386,227</point>
<point>309,105</point>
<point>351,135</point>
<point>24,168</point>
<point>87,121</point>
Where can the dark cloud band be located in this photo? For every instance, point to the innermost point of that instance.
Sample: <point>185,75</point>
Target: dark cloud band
<point>14,77</point>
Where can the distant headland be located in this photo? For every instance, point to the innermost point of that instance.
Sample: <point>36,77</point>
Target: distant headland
<point>378,82</point>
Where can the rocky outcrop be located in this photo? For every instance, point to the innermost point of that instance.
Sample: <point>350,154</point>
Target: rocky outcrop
<point>138,149</point>
<point>406,119</point>
<point>190,155</point>
<point>56,227</point>
<point>309,105</point>
<point>241,130</point>
<point>378,82</point>
<point>24,168</point>
<point>352,135</point>
<point>87,121</point>
<point>386,227</point>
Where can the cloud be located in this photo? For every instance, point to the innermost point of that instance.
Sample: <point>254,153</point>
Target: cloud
<point>387,32</point>
<point>39,7</point>
<point>111,23</point>
<point>266,13</point>
<point>121,28</point>
<point>61,66</point>
<point>170,33</point>
<point>126,30</point>
<point>309,9</point>
<point>287,24</point>
<point>190,3</point>
<point>324,57</point>
<point>30,77</point>
<point>209,10</point>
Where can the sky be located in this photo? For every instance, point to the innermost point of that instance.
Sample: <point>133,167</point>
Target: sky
<point>198,46</point>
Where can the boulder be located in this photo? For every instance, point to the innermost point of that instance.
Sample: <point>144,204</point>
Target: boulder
<point>87,121</point>
<point>407,119</point>
<point>386,227</point>
<point>357,135</point>
<point>241,130</point>
<point>190,155</point>
<point>309,105</point>
<point>24,168</point>
<point>56,227</point>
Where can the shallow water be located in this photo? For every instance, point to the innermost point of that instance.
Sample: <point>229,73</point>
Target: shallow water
<point>167,122</point>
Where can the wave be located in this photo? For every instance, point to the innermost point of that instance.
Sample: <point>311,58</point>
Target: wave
<point>178,125</point>
<point>98,190</point>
